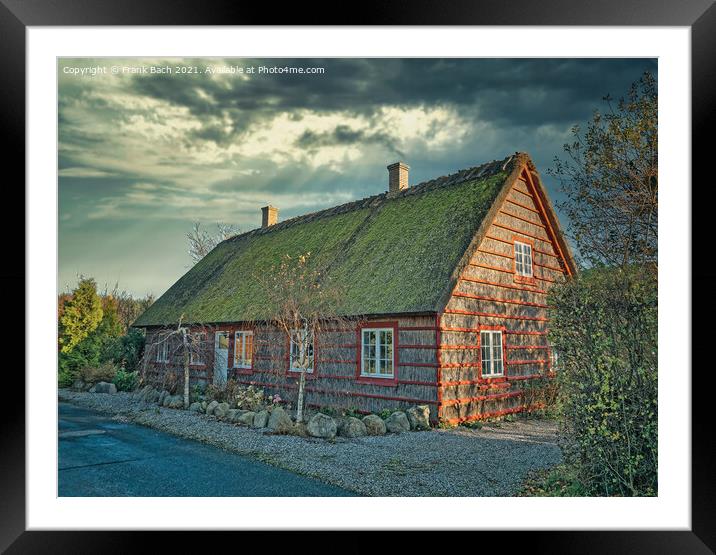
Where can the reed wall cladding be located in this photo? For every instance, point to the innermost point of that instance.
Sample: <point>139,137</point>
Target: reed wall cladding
<point>489,295</point>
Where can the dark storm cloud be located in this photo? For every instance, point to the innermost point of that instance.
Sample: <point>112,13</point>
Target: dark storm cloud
<point>505,92</point>
<point>343,135</point>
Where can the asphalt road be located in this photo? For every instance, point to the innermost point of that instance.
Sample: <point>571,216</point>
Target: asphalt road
<point>99,456</point>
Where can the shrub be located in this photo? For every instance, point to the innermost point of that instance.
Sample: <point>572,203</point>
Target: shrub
<point>65,378</point>
<point>126,351</point>
<point>196,392</point>
<point>125,381</point>
<point>604,327</point>
<point>249,398</point>
<point>102,373</point>
<point>215,393</point>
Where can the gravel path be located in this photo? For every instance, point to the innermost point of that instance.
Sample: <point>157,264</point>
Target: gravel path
<point>492,461</point>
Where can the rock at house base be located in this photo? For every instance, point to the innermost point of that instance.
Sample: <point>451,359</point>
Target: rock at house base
<point>104,387</point>
<point>210,407</point>
<point>280,421</point>
<point>351,427</point>
<point>260,419</point>
<point>419,417</point>
<point>397,423</point>
<point>221,410</point>
<point>374,425</point>
<point>246,419</point>
<point>195,407</point>
<point>322,426</point>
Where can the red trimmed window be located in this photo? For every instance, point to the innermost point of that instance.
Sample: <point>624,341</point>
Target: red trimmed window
<point>243,349</point>
<point>491,354</point>
<point>301,350</point>
<point>378,352</point>
<point>198,348</point>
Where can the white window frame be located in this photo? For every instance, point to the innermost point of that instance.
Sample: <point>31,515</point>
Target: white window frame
<point>292,363</point>
<point>523,250</point>
<point>488,370</point>
<point>244,363</point>
<point>163,351</point>
<point>378,359</point>
<point>196,358</point>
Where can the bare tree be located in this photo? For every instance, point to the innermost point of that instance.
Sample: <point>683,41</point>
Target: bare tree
<point>188,344</point>
<point>300,303</point>
<point>610,180</point>
<point>201,242</point>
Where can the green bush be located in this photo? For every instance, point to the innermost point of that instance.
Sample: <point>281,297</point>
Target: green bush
<point>104,372</point>
<point>125,381</point>
<point>65,378</point>
<point>604,327</point>
<point>126,350</point>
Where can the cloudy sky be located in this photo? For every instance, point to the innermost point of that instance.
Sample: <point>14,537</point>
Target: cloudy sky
<point>142,156</point>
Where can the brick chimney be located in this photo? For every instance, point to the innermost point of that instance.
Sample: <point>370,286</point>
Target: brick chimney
<point>397,177</point>
<point>269,216</point>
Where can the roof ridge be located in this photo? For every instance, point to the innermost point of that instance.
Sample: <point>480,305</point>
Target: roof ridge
<point>481,171</point>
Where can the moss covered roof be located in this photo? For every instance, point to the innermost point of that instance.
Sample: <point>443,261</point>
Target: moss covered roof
<point>388,253</point>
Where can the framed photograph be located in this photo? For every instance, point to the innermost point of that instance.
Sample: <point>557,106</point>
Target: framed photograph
<point>272,271</point>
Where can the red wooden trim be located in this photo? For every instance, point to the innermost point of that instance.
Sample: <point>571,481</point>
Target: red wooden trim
<point>492,315</point>
<point>347,393</point>
<point>495,414</point>
<point>415,382</point>
<point>515,216</point>
<point>484,386</point>
<point>550,230</point>
<point>438,373</point>
<point>489,267</point>
<point>419,364</point>
<point>458,347</point>
<point>532,376</point>
<point>543,239</point>
<point>389,382</point>
<point>514,362</point>
<point>506,286</point>
<point>498,300</point>
<point>508,332</point>
<point>464,400</point>
<point>495,253</point>
<point>461,365</point>
<point>510,242</point>
<point>522,205</point>
<point>522,192</point>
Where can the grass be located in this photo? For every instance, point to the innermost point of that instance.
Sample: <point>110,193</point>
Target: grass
<point>559,481</point>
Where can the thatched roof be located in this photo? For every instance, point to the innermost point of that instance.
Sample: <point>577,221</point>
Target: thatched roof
<point>388,254</point>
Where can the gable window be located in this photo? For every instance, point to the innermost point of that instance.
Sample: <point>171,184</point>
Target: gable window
<point>491,350</point>
<point>163,351</point>
<point>243,349</point>
<point>301,350</point>
<point>523,259</point>
<point>198,344</point>
<point>377,359</point>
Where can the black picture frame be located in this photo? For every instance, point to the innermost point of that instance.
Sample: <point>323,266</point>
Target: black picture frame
<point>699,15</point>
